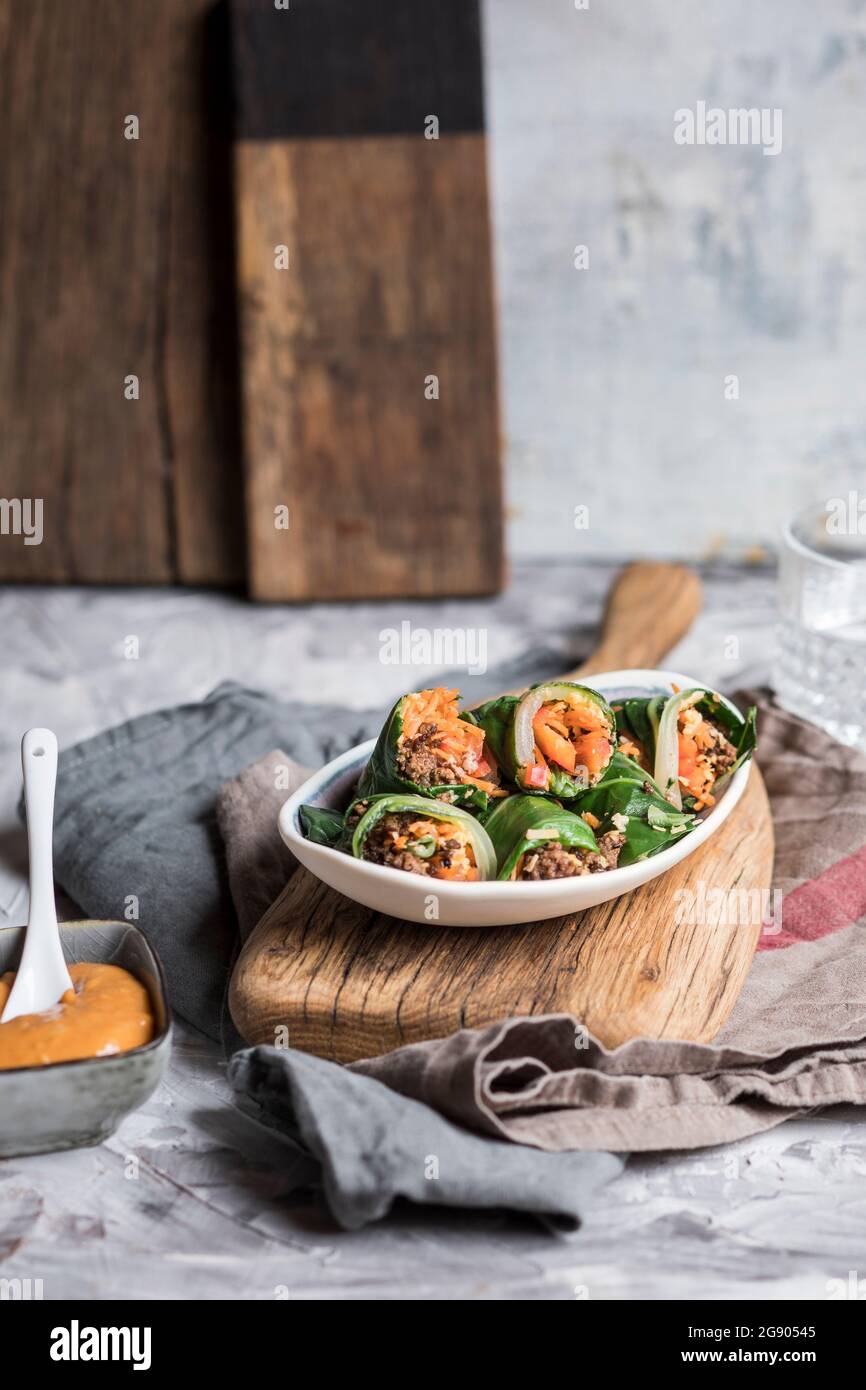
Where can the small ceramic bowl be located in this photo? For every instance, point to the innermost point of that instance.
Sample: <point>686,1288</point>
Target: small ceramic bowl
<point>68,1104</point>
<point>490,904</point>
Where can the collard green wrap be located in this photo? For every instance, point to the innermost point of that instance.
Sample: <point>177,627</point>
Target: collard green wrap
<point>429,809</point>
<point>382,773</point>
<point>741,733</point>
<point>508,726</point>
<point>525,823</point>
<point>654,724</point>
<point>627,799</point>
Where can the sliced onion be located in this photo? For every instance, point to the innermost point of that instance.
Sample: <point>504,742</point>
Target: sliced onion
<point>667,765</point>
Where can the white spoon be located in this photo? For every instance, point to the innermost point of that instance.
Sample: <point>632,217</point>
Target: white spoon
<point>42,975</point>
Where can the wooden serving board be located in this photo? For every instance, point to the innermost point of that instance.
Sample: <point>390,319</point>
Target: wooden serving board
<point>348,982</point>
<point>369,395</point>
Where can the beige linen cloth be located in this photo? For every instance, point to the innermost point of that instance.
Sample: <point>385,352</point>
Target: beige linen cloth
<point>796,1038</point>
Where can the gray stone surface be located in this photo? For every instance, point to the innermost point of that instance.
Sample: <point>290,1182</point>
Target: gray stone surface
<point>188,1199</point>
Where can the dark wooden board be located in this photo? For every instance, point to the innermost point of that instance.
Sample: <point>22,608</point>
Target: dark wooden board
<point>116,257</point>
<point>389,282</point>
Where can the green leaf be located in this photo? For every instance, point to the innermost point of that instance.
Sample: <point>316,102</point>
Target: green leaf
<point>321,825</point>
<point>496,718</point>
<point>523,823</point>
<point>627,791</point>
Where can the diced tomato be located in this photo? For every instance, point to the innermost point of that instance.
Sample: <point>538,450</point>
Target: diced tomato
<point>554,747</point>
<point>593,752</point>
<point>537,775</point>
<point>688,756</point>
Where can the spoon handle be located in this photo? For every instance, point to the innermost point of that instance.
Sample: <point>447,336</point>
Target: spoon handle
<point>39,764</point>
<point>42,977</point>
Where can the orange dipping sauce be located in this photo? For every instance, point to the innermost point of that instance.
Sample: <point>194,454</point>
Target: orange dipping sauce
<point>107,1011</point>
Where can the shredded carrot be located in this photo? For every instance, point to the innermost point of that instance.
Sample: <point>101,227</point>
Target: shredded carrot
<point>693,771</point>
<point>631,748</point>
<point>439,707</point>
<point>460,742</point>
<point>587,717</point>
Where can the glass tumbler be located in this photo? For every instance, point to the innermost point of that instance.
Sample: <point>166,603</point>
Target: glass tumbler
<point>820,666</point>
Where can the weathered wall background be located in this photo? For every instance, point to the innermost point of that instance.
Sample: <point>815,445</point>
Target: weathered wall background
<point>705,261</point>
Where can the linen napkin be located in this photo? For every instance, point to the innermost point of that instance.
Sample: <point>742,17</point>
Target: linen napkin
<point>136,832</point>
<point>796,1038</point>
<point>140,811</point>
<point>375,1146</point>
<point>139,815</point>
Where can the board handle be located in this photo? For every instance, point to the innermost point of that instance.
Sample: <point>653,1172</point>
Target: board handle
<point>650,607</point>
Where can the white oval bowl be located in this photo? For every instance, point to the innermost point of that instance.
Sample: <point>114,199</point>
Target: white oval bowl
<point>490,904</point>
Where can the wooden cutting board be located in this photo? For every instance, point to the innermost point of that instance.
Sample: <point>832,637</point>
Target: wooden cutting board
<point>369,395</point>
<point>348,983</point>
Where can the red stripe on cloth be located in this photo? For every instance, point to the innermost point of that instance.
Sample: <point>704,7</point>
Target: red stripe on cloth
<point>821,905</point>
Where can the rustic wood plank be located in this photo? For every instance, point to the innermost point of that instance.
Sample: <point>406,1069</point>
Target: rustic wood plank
<point>390,490</point>
<point>116,258</point>
<point>388,493</point>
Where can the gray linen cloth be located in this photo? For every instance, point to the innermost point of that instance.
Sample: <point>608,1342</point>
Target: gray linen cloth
<point>375,1146</point>
<point>136,819</point>
<point>139,810</point>
<point>796,1038</point>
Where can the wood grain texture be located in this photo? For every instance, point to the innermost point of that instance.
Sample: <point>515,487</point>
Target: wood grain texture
<point>389,493</point>
<point>389,283</point>
<point>349,983</point>
<point>116,258</point>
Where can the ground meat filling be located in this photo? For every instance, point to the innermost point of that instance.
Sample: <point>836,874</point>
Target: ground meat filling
<point>609,846</point>
<point>355,812</point>
<point>437,747</point>
<point>553,860</point>
<point>418,761</point>
<point>721,754</point>
<point>400,841</point>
